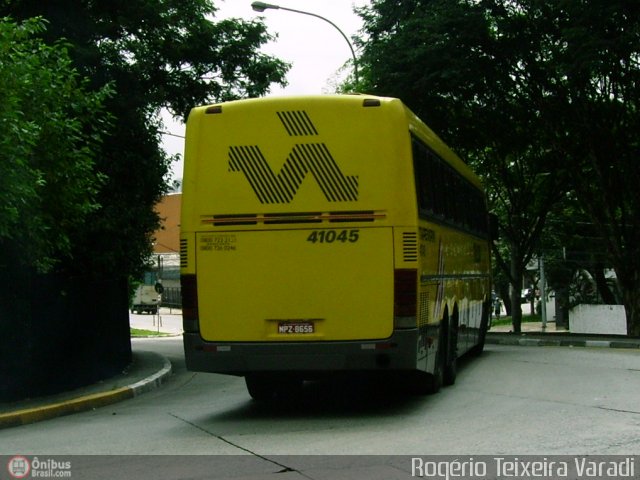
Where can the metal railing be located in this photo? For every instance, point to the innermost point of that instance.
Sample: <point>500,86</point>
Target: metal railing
<point>171,297</point>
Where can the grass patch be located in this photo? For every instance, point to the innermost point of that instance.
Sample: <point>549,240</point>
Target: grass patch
<point>137,332</point>
<point>507,320</point>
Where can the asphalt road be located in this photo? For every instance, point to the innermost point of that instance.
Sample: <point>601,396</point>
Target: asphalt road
<point>512,400</point>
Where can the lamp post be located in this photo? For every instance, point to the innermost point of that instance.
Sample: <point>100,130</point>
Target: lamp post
<point>262,6</point>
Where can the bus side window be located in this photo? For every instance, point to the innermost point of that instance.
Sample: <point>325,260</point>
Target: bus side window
<point>421,176</point>
<point>445,195</point>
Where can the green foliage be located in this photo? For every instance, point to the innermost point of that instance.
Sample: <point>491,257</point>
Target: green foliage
<point>155,54</point>
<point>540,95</point>
<point>48,139</point>
<point>458,65</point>
<point>77,202</point>
<point>162,53</point>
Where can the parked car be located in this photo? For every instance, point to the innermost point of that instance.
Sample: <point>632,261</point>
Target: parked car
<point>146,299</point>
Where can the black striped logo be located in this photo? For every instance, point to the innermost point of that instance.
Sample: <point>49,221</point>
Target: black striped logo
<point>297,123</point>
<point>305,158</point>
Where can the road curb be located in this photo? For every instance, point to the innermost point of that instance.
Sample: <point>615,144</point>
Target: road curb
<point>565,341</point>
<point>153,381</point>
<point>86,402</point>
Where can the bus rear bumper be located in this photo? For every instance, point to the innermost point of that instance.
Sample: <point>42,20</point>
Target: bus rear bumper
<point>399,352</point>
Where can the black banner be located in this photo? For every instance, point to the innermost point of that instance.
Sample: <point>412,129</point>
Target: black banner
<point>319,467</point>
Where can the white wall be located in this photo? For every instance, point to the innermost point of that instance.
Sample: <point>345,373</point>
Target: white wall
<point>605,319</point>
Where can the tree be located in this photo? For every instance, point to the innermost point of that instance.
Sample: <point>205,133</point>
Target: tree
<point>533,92</point>
<point>459,66</point>
<point>594,118</point>
<point>51,126</point>
<point>149,54</point>
<point>154,54</point>
<point>572,245</point>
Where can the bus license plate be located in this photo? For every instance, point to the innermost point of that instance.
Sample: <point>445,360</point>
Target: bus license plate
<point>295,327</point>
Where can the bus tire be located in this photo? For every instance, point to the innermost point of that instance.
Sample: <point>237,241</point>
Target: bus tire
<point>260,387</point>
<point>434,382</point>
<point>450,356</point>
<point>436,379</point>
<point>264,387</point>
<point>424,383</point>
<point>484,326</point>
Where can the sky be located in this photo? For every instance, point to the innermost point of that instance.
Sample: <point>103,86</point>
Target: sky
<point>314,47</point>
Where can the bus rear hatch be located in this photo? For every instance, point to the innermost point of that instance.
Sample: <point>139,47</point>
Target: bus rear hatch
<point>296,285</point>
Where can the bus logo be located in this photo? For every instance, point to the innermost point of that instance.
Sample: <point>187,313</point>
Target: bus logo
<point>304,159</point>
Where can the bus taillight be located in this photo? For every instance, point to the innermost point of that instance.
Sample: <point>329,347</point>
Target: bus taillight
<point>189,287</point>
<point>405,297</point>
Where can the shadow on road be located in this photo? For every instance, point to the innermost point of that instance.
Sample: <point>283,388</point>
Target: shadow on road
<point>344,396</point>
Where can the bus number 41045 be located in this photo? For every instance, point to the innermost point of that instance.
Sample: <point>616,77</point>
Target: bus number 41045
<point>331,236</point>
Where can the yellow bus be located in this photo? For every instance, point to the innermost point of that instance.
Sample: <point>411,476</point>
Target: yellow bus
<point>326,234</point>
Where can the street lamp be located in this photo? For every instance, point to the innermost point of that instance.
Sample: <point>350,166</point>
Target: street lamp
<point>262,6</point>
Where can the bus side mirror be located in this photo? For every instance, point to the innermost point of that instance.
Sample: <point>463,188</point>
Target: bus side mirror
<point>494,227</point>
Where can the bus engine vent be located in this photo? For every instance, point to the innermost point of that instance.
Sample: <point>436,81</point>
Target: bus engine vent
<point>184,259</point>
<point>410,246</point>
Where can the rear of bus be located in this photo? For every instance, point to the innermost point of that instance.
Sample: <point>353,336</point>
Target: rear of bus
<point>299,238</point>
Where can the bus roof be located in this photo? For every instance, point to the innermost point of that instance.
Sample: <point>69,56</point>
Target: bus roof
<point>320,153</point>
<point>417,126</point>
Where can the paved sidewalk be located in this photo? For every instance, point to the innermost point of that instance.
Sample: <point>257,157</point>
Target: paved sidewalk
<point>530,327</point>
<point>532,334</point>
<point>166,321</point>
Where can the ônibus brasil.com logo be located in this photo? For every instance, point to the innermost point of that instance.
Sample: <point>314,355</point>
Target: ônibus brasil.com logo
<point>19,466</point>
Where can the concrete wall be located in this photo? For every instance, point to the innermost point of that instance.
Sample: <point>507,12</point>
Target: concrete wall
<point>604,319</point>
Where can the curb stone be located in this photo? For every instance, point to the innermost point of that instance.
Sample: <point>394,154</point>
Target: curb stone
<point>86,402</point>
<point>560,341</point>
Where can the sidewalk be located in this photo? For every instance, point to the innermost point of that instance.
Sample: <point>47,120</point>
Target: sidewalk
<point>166,321</point>
<point>530,327</point>
<point>147,372</point>
<point>532,334</point>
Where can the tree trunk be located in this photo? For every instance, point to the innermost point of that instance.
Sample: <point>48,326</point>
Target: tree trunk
<point>532,302</point>
<point>516,288</point>
<point>603,288</point>
<point>516,310</point>
<point>506,299</point>
<point>562,307</point>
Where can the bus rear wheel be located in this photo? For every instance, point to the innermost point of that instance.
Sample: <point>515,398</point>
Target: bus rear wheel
<point>485,324</point>
<point>264,386</point>
<point>423,383</point>
<point>449,339</point>
<point>260,387</point>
